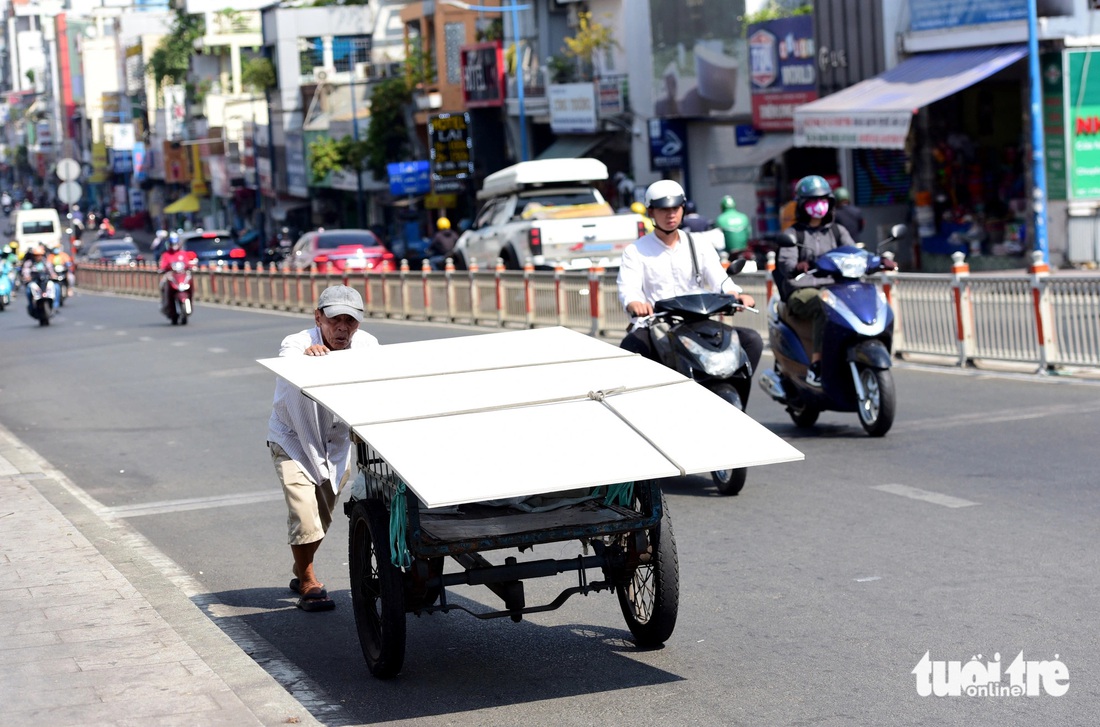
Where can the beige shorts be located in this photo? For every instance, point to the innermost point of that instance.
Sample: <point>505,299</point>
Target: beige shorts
<point>309,506</point>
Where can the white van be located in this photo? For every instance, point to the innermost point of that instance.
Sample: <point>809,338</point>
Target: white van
<point>33,226</point>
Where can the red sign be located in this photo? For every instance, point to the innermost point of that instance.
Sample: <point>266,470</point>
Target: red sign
<point>483,75</point>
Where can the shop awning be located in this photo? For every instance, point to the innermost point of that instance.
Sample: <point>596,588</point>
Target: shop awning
<point>571,146</point>
<point>186,203</point>
<point>876,113</point>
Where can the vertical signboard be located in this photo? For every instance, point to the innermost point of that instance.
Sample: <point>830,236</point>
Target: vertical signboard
<point>572,108</point>
<point>482,75</point>
<point>782,70</point>
<point>1082,119</point>
<point>667,144</point>
<point>297,174</point>
<point>450,151</point>
<point>1054,124</point>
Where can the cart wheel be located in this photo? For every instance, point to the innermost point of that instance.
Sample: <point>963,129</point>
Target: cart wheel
<point>651,599</point>
<point>377,590</point>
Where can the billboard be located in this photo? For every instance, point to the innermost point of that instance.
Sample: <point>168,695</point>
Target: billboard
<point>782,70</point>
<point>700,59</point>
<point>482,75</point>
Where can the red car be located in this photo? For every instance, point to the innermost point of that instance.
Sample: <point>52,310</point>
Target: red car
<point>337,251</point>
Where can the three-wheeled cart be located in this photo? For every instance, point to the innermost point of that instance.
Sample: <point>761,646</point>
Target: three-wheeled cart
<point>512,441</point>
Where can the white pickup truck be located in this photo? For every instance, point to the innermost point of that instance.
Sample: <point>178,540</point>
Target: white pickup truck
<point>547,211</point>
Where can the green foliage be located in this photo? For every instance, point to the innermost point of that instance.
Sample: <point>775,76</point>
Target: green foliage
<point>325,157</point>
<point>171,59</point>
<point>31,75</point>
<point>388,136</point>
<point>774,11</point>
<point>562,69</point>
<point>493,31</point>
<point>258,74</point>
<point>591,38</point>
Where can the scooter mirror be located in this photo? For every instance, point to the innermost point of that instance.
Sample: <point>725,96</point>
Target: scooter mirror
<point>736,266</point>
<point>898,231</point>
<point>786,239</point>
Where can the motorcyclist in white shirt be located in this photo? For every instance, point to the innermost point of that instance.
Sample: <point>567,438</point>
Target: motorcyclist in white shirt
<point>666,263</point>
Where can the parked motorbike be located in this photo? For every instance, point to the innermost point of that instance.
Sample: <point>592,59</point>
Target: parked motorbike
<point>179,293</point>
<point>686,337</point>
<point>41,294</point>
<point>859,330</point>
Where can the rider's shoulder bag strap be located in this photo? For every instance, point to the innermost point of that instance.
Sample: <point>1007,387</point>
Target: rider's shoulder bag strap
<point>694,260</point>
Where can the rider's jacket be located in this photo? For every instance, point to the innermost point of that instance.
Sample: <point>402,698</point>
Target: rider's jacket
<point>169,257</point>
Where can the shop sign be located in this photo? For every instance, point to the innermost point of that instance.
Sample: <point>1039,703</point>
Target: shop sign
<point>944,14</point>
<point>409,177</point>
<point>667,144</point>
<point>177,168</point>
<point>572,108</point>
<point>612,92</point>
<point>121,161</point>
<point>267,180</point>
<point>450,146</point>
<point>782,70</point>
<point>746,135</point>
<point>139,162</point>
<point>1082,122</point>
<point>137,199</point>
<point>219,177</point>
<point>119,136</point>
<point>100,170</point>
<point>1054,124</point>
<point>440,201</point>
<point>297,175</point>
<point>482,75</point>
<point>174,112</point>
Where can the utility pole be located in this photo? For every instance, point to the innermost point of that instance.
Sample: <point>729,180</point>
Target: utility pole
<point>1038,156</point>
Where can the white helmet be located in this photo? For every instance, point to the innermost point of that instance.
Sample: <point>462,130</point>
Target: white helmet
<point>664,194</point>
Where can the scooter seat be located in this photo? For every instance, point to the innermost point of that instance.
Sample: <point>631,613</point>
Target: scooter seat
<point>803,327</point>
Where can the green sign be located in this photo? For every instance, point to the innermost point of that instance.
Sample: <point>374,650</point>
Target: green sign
<point>1054,124</point>
<point>1082,116</point>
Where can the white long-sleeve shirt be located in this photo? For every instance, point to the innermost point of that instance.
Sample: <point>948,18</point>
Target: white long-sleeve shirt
<point>651,271</point>
<point>315,439</point>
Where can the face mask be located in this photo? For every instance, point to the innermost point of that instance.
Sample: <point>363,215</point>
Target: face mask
<point>817,208</point>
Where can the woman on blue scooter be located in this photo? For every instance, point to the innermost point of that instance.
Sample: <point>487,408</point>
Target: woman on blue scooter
<point>816,232</point>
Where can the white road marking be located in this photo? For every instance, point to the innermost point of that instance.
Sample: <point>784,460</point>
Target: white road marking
<point>195,503</point>
<point>915,493</point>
<point>217,350</point>
<point>867,579</point>
<point>999,417</point>
<point>179,343</point>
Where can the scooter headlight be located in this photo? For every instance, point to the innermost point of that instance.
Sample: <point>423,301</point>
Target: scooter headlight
<point>185,286</point>
<point>852,266</point>
<point>719,364</point>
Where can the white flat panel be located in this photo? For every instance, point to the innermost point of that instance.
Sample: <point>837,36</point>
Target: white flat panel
<point>424,358</point>
<point>381,401</point>
<point>514,452</point>
<point>700,431</point>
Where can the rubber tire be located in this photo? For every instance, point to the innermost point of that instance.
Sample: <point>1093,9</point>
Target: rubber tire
<point>377,590</point>
<point>459,261</point>
<point>729,482</point>
<point>651,621</point>
<point>511,259</point>
<point>879,383</point>
<point>44,311</point>
<point>803,417</point>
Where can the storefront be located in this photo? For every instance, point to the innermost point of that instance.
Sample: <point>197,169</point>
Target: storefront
<point>942,133</point>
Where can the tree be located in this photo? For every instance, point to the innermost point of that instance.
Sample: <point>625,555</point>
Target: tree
<point>171,60</point>
<point>591,39</point>
<point>258,74</point>
<point>388,136</point>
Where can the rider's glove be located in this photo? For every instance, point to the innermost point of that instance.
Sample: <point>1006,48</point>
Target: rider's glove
<point>802,267</point>
<point>888,264</point>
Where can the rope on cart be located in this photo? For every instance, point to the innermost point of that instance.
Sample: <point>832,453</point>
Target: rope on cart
<point>621,494</point>
<point>399,552</point>
<point>602,397</point>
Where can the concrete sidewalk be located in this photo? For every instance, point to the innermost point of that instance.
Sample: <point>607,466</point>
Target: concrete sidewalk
<point>91,633</point>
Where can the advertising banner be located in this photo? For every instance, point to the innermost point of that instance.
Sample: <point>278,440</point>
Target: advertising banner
<point>1082,124</point>
<point>297,175</point>
<point>944,14</point>
<point>700,59</point>
<point>174,112</point>
<point>667,144</point>
<point>409,177</point>
<point>782,67</point>
<point>177,168</point>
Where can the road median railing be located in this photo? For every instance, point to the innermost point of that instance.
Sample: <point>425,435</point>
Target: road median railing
<point>1051,321</point>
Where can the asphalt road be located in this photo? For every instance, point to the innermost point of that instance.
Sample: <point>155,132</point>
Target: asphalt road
<point>971,529</point>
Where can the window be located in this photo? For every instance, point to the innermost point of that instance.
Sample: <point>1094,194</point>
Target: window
<point>311,54</point>
<point>347,50</point>
<point>39,227</point>
<point>454,35</point>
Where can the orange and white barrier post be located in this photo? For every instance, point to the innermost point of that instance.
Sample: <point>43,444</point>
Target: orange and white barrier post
<point>449,274</point>
<point>964,312</point>
<point>1039,271</point>
<point>559,295</point>
<point>888,278</point>
<point>769,281</point>
<point>528,295</point>
<point>499,272</point>
<point>425,270</point>
<point>594,274</point>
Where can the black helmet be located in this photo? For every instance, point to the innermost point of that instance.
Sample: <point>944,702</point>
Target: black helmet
<point>689,207</point>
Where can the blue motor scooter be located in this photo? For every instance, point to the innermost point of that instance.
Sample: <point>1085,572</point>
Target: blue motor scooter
<point>859,329</point>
